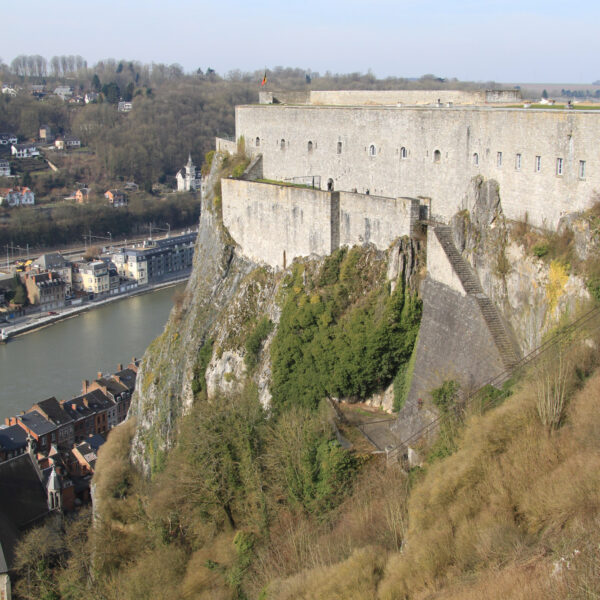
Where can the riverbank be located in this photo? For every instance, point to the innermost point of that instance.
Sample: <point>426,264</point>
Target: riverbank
<point>32,323</point>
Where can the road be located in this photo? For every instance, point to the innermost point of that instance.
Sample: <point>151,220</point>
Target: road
<point>74,251</point>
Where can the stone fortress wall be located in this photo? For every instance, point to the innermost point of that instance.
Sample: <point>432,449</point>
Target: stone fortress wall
<point>389,97</point>
<point>274,224</point>
<point>546,161</point>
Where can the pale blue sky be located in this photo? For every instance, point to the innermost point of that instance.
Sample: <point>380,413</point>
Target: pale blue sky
<point>505,41</point>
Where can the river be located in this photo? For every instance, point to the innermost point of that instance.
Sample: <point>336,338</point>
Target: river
<point>54,361</point>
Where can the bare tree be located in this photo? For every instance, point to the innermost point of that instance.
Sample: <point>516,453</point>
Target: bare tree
<point>553,375</point>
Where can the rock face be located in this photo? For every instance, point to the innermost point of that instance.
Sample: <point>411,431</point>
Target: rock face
<point>531,294</point>
<point>164,390</point>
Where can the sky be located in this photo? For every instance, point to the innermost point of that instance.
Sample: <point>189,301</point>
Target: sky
<point>491,40</point>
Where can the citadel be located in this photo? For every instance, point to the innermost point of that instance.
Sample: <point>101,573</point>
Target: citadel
<point>341,168</point>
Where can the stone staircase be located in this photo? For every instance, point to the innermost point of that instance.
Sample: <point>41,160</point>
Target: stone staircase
<point>472,287</point>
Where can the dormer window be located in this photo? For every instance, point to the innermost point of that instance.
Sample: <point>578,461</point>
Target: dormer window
<point>475,159</point>
<point>282,144</point>
<point>403,153</point>
<point>257,142</point>
<point>310,146</point>
<point>372,150</point>
<point>437,156</point>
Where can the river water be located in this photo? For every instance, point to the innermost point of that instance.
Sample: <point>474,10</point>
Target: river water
<point>54,361</point>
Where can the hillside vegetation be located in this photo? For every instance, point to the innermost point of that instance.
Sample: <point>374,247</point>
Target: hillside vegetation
<point>252,507</point>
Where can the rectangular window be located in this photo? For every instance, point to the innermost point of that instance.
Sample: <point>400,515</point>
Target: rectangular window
<point>582,169</point>
<point>499,159</point>
<point>559,166</point>
<point>339,147</point>
<point>518,162</point>
<point>538,164</point>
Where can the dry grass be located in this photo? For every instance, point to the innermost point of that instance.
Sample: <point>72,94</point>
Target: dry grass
<point>354,579</point>
<point>374,514</point>
<point>491,521</point>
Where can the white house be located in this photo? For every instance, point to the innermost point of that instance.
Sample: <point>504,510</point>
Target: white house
<point>24,150</point>
<point>186,177</point>
<point>6,139</point>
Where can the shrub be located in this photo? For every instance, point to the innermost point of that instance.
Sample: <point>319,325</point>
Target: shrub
<point>540,250</point>
<point>255,341</point>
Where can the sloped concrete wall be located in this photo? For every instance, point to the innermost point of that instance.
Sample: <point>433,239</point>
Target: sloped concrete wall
<point>454,342</point>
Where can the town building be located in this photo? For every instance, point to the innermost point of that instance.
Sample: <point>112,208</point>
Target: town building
<point>90,97</point>
<point>26,150</point>
<point>83,410</point>
<point>157,260</point>
<point>187,180</point>
<point>55,262</point>
<point>7,139</point>
<point>4,168</point>
<point>24,503</point>
<point>18,196</point>
<point>46,134</point>
<point>38,427</point>
<point>52,410</point>
<point>91,277</point>
<point>13,442</point>
<point>116,198</point>
<point>8,90</point>
<point>63,91</point>
<point>124,106</point>
<point>46,290</point>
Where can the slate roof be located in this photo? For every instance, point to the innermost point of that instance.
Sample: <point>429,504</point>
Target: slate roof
<point>51,260</point>
<point>37,423</point>
<point>87,404</point>
<point>54,411</point>
<point>127,378</point>
<point>112,385</point>
<point>13,437</point>
<point>23,501</point>
<point>95,441</point>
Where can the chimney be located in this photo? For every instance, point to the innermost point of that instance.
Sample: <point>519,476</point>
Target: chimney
<point>74,406</point>
<point>119,367</point>
<point>99,374</point>
<point>84,386</point>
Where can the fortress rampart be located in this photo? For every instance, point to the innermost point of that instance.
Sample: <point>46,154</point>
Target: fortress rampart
<point>274,224</point>
<point>389,97</point>
<point>546,161</point>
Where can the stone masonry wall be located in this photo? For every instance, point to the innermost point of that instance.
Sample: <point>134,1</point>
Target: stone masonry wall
<point>393,97</point>
<point>270,222</point>
<point>274,223</point>
<point>365,218</point>
<point>435,153</point>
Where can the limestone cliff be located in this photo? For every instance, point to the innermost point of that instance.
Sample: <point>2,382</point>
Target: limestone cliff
<point>532,294</point>
<point>206,336</point>
<point>164,390</point>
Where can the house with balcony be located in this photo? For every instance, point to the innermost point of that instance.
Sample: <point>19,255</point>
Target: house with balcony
<point>91,277</point>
